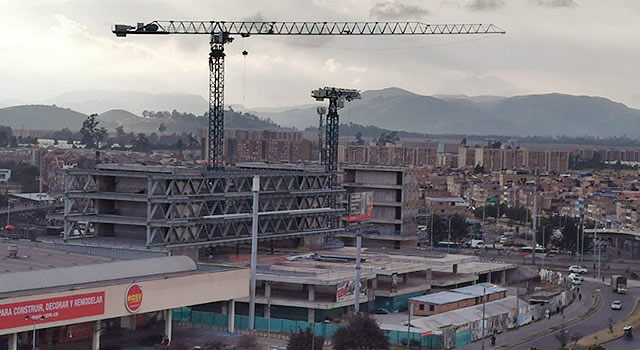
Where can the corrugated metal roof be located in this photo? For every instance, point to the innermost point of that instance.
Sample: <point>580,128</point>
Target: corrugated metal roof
<point>441,298</point>
<point>70,276</point>
<point>459,294</point>
<point>479,289</point>
<point>468,314</point>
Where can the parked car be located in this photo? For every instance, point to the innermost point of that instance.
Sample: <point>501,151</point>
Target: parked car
<point>381,311</point>
<point>577,269</point>
<point>616,305</point>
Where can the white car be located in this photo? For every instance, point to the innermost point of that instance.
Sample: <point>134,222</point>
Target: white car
<point>577,269</point>
<point>575,281</point>
<point>616,305</point>
<point>575,276</point>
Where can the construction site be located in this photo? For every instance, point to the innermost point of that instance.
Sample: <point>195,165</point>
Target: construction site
<point>258,215</point>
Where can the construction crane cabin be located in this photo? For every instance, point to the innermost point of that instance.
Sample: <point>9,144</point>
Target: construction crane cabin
<point>223,32</point>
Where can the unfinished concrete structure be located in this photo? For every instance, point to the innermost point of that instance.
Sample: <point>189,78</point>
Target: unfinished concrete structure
<point>188,207</point>
<point>395,203</point>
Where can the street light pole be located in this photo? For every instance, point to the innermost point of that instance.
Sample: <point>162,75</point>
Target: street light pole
<point>254,252</point>
<point>484,300</point>
<point>34,319</point>
<point>449,238</point>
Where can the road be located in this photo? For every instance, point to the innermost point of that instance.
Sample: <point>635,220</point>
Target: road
<point>594,322</point>
<point>544,334</point>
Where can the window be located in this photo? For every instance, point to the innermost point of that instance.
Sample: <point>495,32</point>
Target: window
<point>432,308</point>
<point>421,306</point>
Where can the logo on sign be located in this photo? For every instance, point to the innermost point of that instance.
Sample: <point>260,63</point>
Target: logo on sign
<point>133,298</point>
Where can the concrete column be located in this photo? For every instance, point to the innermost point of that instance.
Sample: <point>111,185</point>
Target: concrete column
<point>311,315</point>
<point>97,332</point>
<point>488,277</point>
<point>13,341</point>
<point>312,292</point>
<point>225,308</point>
<point>267,295</point>
<point>455,269</point>
<point>168,324</point>
<point>503,276</point>
<point>405,278</point>
<point>267,290</point>
<point>231,327</point>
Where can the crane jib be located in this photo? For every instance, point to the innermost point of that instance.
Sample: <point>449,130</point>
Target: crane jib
<point>304,28</point>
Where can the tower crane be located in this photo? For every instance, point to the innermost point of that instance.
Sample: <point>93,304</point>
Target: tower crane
<point>223,32</point>
<point>336,97</point>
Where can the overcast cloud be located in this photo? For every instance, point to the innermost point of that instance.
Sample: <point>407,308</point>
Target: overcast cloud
<point>50,47</point>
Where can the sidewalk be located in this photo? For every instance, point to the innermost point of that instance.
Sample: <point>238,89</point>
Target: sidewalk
<point>514,336</point>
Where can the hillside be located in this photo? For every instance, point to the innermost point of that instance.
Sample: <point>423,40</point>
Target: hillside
<point>544,115</point>
<point>56,118</point>
<point>41,117</point>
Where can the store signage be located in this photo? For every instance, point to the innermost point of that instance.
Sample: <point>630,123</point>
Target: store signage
<point>133,298</point>
<point>62,308</point>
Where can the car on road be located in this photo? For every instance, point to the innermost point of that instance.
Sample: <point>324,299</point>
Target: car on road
<point>616,305</point>
<point>575,281</point>
<point>575,276</point>
<point>577,269</point>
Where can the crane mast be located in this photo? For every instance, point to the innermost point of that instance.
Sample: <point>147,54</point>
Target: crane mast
<point>222,32</point>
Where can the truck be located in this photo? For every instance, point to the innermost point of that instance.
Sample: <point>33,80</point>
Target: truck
<point>619,284</point>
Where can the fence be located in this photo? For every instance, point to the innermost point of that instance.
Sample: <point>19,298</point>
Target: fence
<point>285,326</point>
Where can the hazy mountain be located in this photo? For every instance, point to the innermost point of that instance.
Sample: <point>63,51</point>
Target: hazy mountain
<point>98,101</point>
<point>545,115</point>
<point>56,118</point>
<point>41,117</point>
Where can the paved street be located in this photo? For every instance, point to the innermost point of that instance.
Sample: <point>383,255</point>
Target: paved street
<point>547,339</point>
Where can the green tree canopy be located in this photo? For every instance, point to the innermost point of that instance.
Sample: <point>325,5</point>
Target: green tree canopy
<point>361,332</point>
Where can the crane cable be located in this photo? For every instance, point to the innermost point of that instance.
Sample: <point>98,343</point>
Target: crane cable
<point>244,71</point>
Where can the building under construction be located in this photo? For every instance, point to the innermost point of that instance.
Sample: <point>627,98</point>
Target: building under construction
<point>190,207</point>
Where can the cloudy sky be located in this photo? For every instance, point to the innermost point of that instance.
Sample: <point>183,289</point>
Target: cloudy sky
<point>587,47</point>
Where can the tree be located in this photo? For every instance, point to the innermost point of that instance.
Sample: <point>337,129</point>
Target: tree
<point>478,169</point>
<point>596,347</point>
<point>302,340</point>
<point>361,332</point>
<point>92,135</point>
<point>141,143</point>
<point>359,141</point>
<point>120,133</point>
<point>162,127</point>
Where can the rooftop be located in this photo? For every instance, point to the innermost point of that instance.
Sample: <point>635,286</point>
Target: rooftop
<point>34,259</point>
<point>459,294</point>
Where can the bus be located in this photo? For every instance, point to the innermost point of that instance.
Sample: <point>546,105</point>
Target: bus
<point>450,245</point>
<point>528,250</point>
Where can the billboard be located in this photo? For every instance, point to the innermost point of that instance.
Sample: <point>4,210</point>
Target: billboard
<point>346,291</point>
<point>51,310</point>
<point>359,206</point>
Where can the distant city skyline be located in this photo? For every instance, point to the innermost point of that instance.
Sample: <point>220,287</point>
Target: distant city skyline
<point>566,46</point>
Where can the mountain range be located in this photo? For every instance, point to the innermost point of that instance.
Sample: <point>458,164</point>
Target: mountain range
<point>391,109</point>
<point>543,115</point>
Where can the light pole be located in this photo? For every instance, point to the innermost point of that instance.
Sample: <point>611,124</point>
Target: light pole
<point>34,319</point>
<point>254,251</point>
<point>449,238</point>
<point>484,301</point>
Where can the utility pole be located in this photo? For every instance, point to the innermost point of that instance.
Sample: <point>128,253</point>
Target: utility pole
<point>409,329</point>
<point>357,286</point>
<point>254,252</point>
<point>431,229</point>
<point>534,215</point>
<point>484,300</point>
<point>449,238</point>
